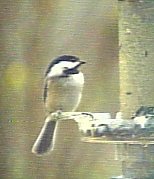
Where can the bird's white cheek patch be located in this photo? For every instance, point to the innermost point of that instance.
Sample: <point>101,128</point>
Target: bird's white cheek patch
<point>54,72</point>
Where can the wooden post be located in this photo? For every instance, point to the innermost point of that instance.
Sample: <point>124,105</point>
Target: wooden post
<point>136,55</point>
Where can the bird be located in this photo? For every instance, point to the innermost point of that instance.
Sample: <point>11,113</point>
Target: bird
<point>62,93</point>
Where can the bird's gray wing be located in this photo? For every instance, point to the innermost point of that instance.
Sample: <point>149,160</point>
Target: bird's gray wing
<point>45,91</point>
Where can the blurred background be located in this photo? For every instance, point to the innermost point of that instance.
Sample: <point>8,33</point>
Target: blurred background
<point>32,34</point>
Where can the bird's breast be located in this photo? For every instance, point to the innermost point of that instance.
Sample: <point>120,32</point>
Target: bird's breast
<point>64,93</point>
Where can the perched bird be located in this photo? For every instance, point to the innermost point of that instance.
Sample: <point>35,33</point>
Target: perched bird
<point>62,92</point>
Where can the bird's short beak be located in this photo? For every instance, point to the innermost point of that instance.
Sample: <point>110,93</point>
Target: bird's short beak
<point>82,62</point>
<point>79,64</point>
<point>74,70</point>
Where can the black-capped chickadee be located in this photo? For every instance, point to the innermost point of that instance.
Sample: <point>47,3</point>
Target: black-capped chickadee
<point>62,92</point>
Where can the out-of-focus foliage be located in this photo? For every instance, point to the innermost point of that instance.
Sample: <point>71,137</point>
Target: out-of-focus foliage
<point>16,76</point>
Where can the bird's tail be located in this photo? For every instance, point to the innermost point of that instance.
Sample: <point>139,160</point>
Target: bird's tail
<point>46,139</point>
